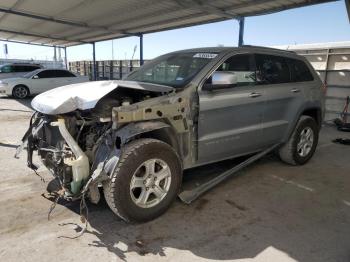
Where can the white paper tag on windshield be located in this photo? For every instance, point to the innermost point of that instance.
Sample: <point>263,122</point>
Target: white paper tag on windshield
<point>205,55</point>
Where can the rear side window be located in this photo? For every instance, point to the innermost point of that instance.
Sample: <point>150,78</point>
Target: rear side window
<point>29,68</point>
<point>271,70</point>
<point>18,68</point>
<point>64,73</point>
<point>6,69</point>
<point>23,68</point>
<point>47,74</point>
<point>299,71</point>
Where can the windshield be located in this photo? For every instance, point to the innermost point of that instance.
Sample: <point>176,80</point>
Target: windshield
<point>174,70</point>
<point>31,74</point>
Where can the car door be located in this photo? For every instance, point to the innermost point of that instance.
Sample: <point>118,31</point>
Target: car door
<point>43,81</point>
<point>65,77</point>
<point>230,118</point>
<point>283,97</point>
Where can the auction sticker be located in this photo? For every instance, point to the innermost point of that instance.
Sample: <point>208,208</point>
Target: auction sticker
<point>205,55</point>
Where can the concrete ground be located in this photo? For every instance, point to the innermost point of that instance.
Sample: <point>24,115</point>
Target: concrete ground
<point>271,212</point>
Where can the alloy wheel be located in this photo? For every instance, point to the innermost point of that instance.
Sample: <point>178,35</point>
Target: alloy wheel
<point>150,183</point>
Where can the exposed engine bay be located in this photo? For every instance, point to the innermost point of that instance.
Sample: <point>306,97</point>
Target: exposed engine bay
<point>79,146</point>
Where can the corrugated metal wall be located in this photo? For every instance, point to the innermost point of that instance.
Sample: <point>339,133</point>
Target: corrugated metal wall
<point>333,66</point>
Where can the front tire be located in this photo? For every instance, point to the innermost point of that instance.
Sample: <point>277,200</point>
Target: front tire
<point>302,144</point>
<point>20,92</point>
<point>146,181</point>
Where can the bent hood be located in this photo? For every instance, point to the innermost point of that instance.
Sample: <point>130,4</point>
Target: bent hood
<point>84,96</point>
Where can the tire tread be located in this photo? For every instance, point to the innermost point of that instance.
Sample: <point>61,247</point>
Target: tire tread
<point>110,187</point>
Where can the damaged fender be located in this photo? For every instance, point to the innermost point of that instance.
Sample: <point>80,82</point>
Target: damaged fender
<point>108,152</point>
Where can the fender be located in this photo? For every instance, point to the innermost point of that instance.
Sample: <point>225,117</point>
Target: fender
<point>128,132</point>
<point>108,151</point>
<point>305,107</point>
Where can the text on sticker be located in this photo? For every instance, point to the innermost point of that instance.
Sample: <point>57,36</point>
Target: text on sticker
<point>205,55</point>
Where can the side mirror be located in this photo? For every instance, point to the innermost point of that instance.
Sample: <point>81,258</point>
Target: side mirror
<point>221,79</point>
<point>35,77</point>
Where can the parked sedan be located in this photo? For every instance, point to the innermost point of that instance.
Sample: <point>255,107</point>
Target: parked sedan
<point>38,81</point>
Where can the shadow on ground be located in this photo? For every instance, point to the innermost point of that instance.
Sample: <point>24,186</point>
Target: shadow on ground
<point>25,102</point>
<point>241,218</point>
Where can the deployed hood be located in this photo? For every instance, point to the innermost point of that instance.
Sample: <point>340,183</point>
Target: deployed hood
<point>84,96</point>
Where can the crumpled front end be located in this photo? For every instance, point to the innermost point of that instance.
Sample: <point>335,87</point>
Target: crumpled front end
<point>67,146</point>
<point>77,141</point>
<point>82,147</point>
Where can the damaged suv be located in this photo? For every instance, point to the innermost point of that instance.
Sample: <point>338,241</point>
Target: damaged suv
<point>181,110</point>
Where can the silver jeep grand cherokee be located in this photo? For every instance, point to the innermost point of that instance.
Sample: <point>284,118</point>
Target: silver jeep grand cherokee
<point>181,110</point>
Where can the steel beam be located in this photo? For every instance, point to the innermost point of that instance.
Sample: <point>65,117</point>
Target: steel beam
<point>39,36</point>
<point>54,53</point>
<point>204,7</point>
<point>141,49</point>
<point>241,31</point>
<point>26,43</point>
<point>94,62</point>
<point>50,19</point>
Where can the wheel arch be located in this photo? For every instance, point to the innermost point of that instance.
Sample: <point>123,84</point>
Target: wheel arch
<point>148,129</point>
<point>18,85</point>
<point>313,111</point>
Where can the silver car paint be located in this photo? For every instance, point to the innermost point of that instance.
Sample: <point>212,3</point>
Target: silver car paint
<point>228,123</point>
<point>232,124</point>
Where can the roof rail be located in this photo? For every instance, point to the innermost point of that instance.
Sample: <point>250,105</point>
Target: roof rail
<point>23,63</point>
<point>269,48</point>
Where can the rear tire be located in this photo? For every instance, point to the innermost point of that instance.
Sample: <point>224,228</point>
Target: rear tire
<point>302,143</point>
<point>146,181</point>
<point>20,92</point>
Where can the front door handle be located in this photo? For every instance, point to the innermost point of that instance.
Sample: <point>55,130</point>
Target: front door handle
<point>254,94</point>
<point>295,90</point>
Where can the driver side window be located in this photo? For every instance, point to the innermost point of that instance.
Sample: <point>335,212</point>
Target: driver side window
<point>241,67</point>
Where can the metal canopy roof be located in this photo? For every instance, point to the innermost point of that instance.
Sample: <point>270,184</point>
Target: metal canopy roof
<point>73,22</point>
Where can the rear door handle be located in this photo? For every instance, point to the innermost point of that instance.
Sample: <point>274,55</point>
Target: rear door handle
<point>254,94</point>
<point>295,90</point>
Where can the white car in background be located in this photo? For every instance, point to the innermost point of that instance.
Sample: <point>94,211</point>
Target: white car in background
<point>38,81</point>
<point>17,69</point>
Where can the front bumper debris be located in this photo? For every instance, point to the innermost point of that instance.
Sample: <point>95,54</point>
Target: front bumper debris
<point>35,124</point>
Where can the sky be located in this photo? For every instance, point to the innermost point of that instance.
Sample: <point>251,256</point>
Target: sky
<point>313,24</point>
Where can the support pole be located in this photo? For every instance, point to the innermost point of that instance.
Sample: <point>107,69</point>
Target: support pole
<point>241,31</point>
<point>65,57</point>
<point>94,68</point>
<point>141,49</point>
<point>347,5</point>
<point>54,54</point>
